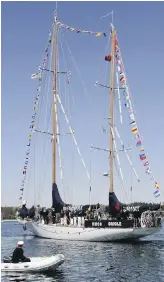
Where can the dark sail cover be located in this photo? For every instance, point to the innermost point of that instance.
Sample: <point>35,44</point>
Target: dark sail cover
<point>114,204</point>
<point>57,202</point>
<point>23,212</point>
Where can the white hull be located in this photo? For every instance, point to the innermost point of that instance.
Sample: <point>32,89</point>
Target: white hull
<point>24,222</point>
<point>90,234</point>
<point>37,264</point>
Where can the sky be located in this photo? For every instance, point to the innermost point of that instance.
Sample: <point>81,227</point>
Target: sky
<point>25,28</point>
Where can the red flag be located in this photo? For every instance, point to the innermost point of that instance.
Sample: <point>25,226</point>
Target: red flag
<point>108,58</point>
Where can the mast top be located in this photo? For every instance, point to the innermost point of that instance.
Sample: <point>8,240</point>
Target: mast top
<point>55,15</point>
<point>112,27</point>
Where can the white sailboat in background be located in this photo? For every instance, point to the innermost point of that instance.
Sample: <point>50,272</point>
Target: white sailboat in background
<point>120,222</point>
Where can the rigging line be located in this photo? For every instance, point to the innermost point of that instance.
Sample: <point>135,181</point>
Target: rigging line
<point>103,69</point>
<point>73,176</point>
<point>78,72</point>
<point>129,92</point>
<point>131,174</point>
<point>34,137</point>
<point>50,31</point>
<point>43,161</point>
<point>121,182</point>
<point>48,86</point>
<point>46,118</point>
<point>58,131</point>
<point>130,95</point>
<point>48,122</point>
<point>35,192</point>
<point>90,168</point>
<point>126,153</point>
<point>119,97</point>
<point>65,87</point>
<point>105,16</point>
<point>117,155</point>
<point>38,89</point>
<point>106,66</point>
<point>42,71</point>
<point>73,136</point>
<point>59,151</point>
<point>66,65</point>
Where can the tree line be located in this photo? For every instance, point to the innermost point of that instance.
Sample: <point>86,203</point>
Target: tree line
<point>8,212</point>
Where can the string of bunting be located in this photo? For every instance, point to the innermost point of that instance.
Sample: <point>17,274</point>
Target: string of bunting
<point>132,121</point>
<point>97,34</point>
<point>33,118</point>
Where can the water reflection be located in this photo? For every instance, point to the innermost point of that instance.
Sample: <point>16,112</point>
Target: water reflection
<point>57,276</point>
<point>135,261</point>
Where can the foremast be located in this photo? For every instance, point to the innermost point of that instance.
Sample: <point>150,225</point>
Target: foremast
<point>111,189</point>
<point>54,109</point>
<point>56,200</point>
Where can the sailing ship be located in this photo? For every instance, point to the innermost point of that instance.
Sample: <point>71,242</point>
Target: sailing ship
<point>120,222</point>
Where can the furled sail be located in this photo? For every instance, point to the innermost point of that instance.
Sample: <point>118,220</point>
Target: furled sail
<point>114,204</point>
<point>57,202</point>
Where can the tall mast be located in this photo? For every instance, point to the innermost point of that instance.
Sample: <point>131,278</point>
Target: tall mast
<point>111,189</point>
<point>54,104</point>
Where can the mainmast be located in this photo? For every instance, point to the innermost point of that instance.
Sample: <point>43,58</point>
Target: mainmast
<point>54,104</point>
<point>111,189</point>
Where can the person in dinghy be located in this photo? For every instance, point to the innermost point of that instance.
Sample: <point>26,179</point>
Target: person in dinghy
<point>18,254</point>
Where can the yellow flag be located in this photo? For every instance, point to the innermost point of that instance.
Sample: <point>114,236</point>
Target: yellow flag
<point>98,34</point>
<point>134,130</point>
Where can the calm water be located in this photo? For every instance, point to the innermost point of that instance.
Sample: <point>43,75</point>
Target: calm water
<point>86,262</point>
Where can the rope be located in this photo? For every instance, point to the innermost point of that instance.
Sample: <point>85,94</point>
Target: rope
<point>131,105</point>
<point>58,142</point>
<point>42,175</point>
<point>98,34</point>
<point>33,122</point>
<point>126,153</point>
<point>119,98</point>
<point>116,153</point>
<point>73,136</point>
<point>78,73</point>
<point>121,182</point>
<point>66,65</point>
<point>59,150</point>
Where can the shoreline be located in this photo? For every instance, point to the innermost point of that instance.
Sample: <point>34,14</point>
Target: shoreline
<point>4,220</point>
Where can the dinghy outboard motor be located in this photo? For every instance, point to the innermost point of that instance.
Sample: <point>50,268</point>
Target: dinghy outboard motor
<point>114,204</point>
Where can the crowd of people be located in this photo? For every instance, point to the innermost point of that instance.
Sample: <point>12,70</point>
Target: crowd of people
<point>94,212</point>
<point>51,216</point>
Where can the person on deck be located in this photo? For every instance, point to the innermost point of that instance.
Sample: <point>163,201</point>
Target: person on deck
<point>23,212</point>
<point>32,212</point>
<point>53,215</point>
<point>68,216</point>
<point>18,255</point>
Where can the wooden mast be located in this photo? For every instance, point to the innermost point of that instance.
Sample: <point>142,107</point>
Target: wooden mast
<point>111,189</point>
<point>54,104</point>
